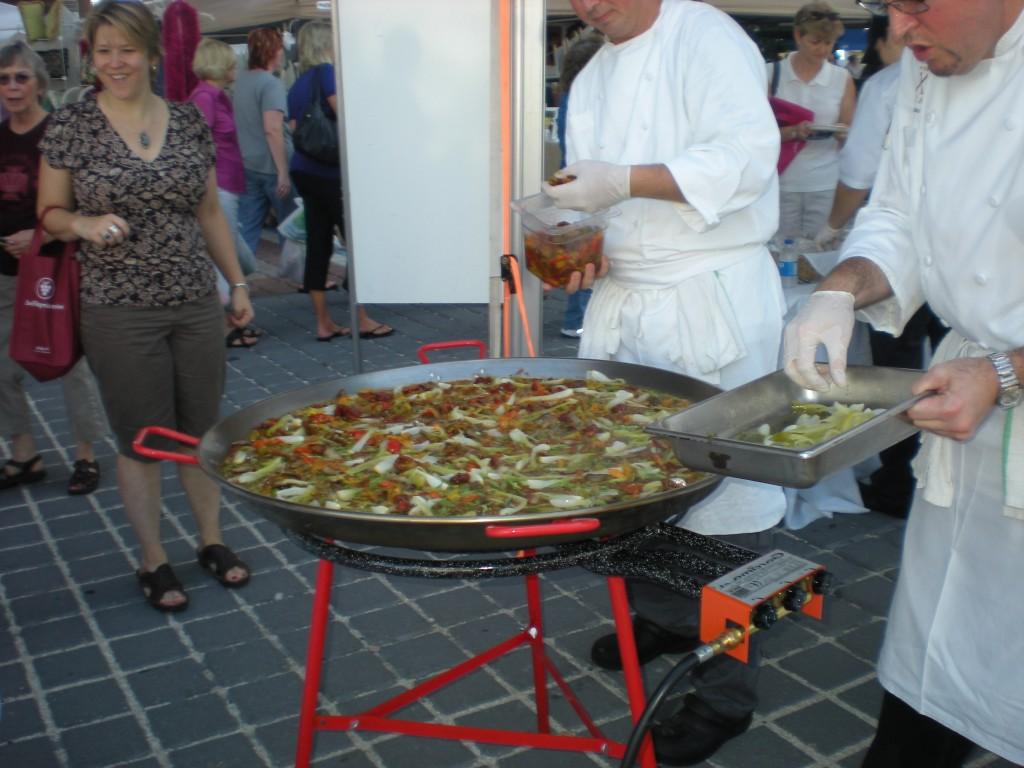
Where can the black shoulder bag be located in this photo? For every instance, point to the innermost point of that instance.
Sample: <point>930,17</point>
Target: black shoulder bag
<point>316,135</point>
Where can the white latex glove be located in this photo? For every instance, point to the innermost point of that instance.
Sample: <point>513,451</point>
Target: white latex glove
<point>828,239</point>
<point>598,185</point>
<point>826,318</point>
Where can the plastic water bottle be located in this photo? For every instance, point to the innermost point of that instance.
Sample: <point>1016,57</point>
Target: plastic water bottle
<point>787,263</point>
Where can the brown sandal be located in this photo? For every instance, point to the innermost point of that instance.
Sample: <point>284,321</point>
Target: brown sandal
<point>156,584</point>
<point>219,560</point>
<point>24,475</point>
<point>85,477</point>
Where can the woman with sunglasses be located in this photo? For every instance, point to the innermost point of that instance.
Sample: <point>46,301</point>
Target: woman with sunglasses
<point>132,177</point>
<point>808,77</point>
<point>23,82</point>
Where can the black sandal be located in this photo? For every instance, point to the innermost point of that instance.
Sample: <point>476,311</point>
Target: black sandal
<point>158,583</point>
<point>24,475</point>
<point>219,560</point>
<point>85,477</point>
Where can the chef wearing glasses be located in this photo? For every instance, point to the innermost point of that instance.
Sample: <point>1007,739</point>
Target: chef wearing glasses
<point>945,224</point>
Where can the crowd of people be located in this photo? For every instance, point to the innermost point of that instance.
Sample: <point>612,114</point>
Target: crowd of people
<point>667,119</point>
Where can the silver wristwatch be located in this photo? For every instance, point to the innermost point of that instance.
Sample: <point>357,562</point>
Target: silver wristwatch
<point>1010,391</point>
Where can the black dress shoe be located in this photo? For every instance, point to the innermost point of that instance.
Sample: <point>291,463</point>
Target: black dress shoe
<point>651,642</point>
<point>694,733</point>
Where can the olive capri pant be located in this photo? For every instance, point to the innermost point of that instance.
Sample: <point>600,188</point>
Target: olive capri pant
<point>157,366</point>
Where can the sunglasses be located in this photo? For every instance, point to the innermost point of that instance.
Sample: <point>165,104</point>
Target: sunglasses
<point>19,77</point>
<point>881,7</point>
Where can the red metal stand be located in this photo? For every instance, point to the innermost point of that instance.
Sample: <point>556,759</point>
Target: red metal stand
<point>379,717</point>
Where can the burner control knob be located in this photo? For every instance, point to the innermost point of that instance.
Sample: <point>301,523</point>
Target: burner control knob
<point>765,616</point>
<point>822,583</point>
<point>795,599</point>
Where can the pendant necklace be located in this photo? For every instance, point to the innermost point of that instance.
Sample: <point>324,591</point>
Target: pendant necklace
<point>144,139</point>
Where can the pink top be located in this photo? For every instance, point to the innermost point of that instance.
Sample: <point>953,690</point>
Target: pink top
<point>216,107</point>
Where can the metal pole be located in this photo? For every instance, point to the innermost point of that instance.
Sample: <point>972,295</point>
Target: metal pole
<point>527,67</point>
<point>346,197</point>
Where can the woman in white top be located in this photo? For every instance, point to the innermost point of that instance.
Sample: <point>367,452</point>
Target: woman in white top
<point>862,153</point>
<point>808,78</point>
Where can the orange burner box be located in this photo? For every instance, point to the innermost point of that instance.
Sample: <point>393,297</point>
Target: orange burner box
<point>754,596</point>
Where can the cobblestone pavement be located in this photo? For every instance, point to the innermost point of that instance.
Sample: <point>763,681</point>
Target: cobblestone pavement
<point>90,676</point>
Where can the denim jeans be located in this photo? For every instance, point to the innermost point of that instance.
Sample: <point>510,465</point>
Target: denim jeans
<point>229,204</point>
<point>260,195</point>
<point>574,309</point>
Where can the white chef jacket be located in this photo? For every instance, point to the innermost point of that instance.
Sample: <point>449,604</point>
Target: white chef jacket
<point>691,286</point>
<point>816,166</point>
<point>946,223</point>
<point>861,155</point>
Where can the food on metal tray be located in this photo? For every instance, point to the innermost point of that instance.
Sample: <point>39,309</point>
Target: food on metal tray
<point>815,423</point>
<point>554,256</point>
<point>487,446</point>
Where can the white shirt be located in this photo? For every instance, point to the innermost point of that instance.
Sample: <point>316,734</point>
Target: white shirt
<point>946,223</point>
<point>816,167</point>
<point>862,154</point>
<point>691,286</point>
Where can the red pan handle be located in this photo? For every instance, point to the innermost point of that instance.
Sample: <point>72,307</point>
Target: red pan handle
<point>578,525</point>
<point>153,453</point>
<point>436,345</point>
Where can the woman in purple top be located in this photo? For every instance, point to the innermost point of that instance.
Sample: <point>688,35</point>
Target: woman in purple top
<point>215,66</point>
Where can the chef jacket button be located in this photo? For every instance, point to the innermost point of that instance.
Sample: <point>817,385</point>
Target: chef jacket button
<point>927,261</point>
<point>993,201</point>
<point>923,190</point>
<point>644,126</point>
<point>980,279</point>
<point>1009,124</point>
<point>648,76</point>
<point>930,118</point>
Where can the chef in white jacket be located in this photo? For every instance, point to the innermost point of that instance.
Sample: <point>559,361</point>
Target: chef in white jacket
<point>669,123</point>
<point>946,224</point>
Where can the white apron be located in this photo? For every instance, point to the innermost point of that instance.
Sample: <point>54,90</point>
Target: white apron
<point>954,644</point>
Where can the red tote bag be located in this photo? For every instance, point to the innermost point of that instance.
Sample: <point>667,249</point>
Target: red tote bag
<point>788,113</point>
<point>44,337</point>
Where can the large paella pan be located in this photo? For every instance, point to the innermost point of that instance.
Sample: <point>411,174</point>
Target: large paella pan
<point>458,533</point>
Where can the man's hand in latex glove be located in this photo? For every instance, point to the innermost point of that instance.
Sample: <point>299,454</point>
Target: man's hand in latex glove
<point>826,318</point>
<point>597,185</point>
<point>828,239</point>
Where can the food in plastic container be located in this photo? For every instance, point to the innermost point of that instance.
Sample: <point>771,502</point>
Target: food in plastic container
<point>558,241</point>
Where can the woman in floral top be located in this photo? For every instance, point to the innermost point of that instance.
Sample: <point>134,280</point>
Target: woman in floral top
<point>132,177</point>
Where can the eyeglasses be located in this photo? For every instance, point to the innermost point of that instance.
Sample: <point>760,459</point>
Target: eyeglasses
<point>881,7</point>
<point>19,77</point>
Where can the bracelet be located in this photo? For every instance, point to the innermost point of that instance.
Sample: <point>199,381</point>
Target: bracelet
<point>240,285</point>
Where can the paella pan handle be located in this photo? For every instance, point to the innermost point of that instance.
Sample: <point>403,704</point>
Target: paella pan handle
<point>154,453</point>
<point>421,353</point>
<point>576,526</point>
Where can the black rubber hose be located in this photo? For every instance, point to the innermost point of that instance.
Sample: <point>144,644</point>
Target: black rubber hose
<point>643,725</point>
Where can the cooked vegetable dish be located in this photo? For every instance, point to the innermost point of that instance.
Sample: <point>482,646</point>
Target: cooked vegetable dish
<point>553,257</point>
<point>487,446</point>
<point>815,423</point>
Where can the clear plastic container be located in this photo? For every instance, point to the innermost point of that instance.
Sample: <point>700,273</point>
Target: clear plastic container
<point>559,241</point>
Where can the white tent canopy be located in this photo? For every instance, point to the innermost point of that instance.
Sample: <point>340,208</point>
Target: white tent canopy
<point>217,15</point>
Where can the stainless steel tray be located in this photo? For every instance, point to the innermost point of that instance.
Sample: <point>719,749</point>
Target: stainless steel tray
<point>704,435</point>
